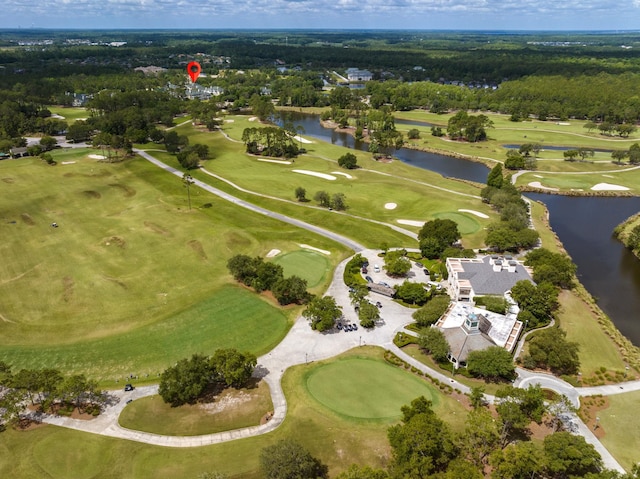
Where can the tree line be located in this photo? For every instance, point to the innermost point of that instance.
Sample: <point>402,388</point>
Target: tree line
<point>48,390</point>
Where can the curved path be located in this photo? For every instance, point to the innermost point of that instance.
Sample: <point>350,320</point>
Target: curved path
<point>302,345</point>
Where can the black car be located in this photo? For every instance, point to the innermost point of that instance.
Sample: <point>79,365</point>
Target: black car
<point>378,304</point>
<point>347,328</point>
<point>354,327</point>
<point>128,387</point>
<point>426,271</point>
<point>339,326</point>
<point>368,278</point>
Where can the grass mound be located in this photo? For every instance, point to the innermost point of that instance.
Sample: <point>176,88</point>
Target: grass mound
<point>314,267</point>
<point>231,409</point>
<point>365,389</point>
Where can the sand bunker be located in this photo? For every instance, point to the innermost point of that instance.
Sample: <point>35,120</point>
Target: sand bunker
<point>323,251</point>
<point>563,123</point>
<point>301,140</point>
<point>315,173</point>
<point>537,184</point>
<point>55,115</point>
<point>253,118</point>
<point>538,176</point>
<point>411,222</point>
<point>273,252</point>
<point>346,175</point>
<point>97,157</point>
<point>67,163</point>
<point>282,162</point>
<point>474,212</point>
<point>608,176</point>
<point>608,186</point>
<point>390,206</point>
<point>229,121</point>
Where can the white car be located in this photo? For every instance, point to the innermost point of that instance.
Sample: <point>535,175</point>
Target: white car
<point>376,268</point>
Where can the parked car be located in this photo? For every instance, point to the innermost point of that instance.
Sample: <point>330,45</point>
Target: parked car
<point>426,271</point>
<point>128,387</point>
<point>378,304</point>
<point>354,327</point>
<point>419,265</point>
<point>376,268</point>
<point>368,278</point>
<point>364,270</point>
<point>382,283</point>
<point>339,326</point>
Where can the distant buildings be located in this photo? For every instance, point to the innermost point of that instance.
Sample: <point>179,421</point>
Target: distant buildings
<point>357,75</point>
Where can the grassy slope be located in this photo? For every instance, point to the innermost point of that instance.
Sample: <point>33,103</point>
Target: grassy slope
<point>55,452</point>
<point>622,430</point>
<point>127,260</point>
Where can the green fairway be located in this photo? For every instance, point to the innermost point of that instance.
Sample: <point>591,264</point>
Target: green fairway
<point>309,265</point>
<point>230,318</point>
<point>131,280</point>
<point>70,114</point>
<point>366,389</point>
<point>466,223</point>
<point>231,409</point>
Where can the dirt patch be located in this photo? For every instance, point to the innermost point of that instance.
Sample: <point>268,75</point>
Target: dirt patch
<point>236,241</point>
<point>8,180</point>
<point>227,401</point>
<point>92,194</point>
<point>26,217</point>
<point>116,281</point>
<point>266,418</point>
<point>115,241</point>
<point>157,228</point>
<point>196,246</point>
<point>67,288</point>
<point>127,190</point>
<point>590,408</point>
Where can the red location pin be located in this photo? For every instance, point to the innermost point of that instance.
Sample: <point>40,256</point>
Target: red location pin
<point>194,69</point>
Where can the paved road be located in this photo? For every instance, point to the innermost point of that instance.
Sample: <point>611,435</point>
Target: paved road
<point>354,245</point>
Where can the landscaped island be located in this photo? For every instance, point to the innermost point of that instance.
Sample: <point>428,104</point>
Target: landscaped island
<point>629,233</point>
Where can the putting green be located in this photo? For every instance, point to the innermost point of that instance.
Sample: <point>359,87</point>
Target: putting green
<point>308,265</point>
<point>366,388</point>
<point>466,224</point>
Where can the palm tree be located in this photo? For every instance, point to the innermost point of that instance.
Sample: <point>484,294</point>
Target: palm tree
<point>187,180</point>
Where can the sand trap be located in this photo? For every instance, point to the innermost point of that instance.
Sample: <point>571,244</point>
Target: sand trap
<point>323,251</point>
<point>301,140</point>
<point>538,176</point>
<point>474,212</point>
<point>607,176</point>
<point>229,121</point>
<point>55,115</point>
<point>315,173</point>
<point>272,253</point>
<point>390,206</point>
<point>97,157</point>
<point>67,163</point>
<point>253,118</point>
<point>346,175</point>
<point>608,186</point>
<point>537,184</point>
<point>411,222</point>
<point>282,162</point>
<point>563,123</point>
<point>81,119</point>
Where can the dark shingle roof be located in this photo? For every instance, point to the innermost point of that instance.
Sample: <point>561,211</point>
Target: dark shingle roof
<point>486,281</point>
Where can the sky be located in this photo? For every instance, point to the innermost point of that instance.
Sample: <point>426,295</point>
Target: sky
<point>331,14</point>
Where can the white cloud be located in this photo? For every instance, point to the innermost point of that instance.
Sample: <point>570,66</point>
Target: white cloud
<point>478,14</point>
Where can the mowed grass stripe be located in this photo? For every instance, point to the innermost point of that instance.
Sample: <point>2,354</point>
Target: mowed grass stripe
<point>365,389</point>
<point>231,318</point>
